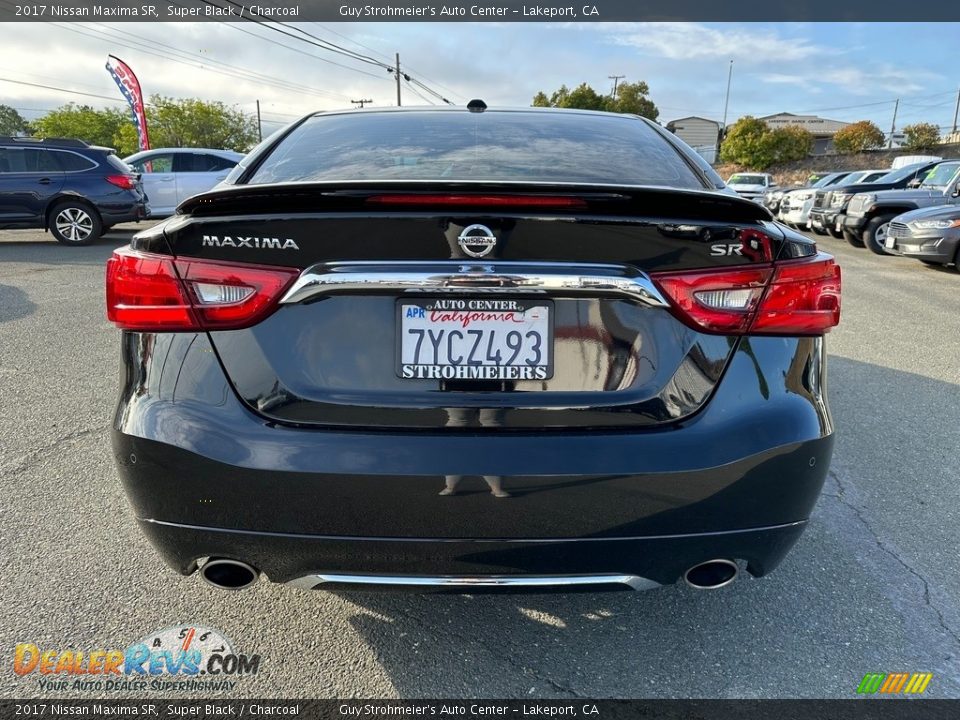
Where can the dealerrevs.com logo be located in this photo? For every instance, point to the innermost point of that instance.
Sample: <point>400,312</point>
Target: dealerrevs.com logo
<point>178,658</point>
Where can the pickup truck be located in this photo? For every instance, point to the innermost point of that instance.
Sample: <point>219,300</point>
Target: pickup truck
<point>869,213</point>
<point>830,205</point>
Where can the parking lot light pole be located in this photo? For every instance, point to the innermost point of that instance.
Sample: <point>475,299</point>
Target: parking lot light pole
<point>397,73</point>
<point>893,125</point>
<point>726,103</point>
<point>956,112</point>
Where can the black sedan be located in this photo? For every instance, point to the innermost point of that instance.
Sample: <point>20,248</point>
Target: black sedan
<point>931,235</point>
<point>464,347</point>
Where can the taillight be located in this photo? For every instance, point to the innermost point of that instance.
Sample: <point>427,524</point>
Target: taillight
<point>157,293</point>
<point>510,201</point>
<point>796,297</point>
<point>716,301</point>
<point>126,182</point>
<point>803,298</point>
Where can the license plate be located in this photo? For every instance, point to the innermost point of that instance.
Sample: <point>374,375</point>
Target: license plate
<point>839,226</point>
<point>890,242</point>
<point>475,339</point>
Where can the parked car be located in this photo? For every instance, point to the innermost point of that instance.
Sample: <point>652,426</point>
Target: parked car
<point>931,235</point>
<point>822,199</point>
<point>458,347</point>
<point>773,197</point>
<point>752,186</point>
<point>73,190</point>
<point>869,213</point>
<point>795,205</point>
<point>171,175</point>
<point>833,207</point>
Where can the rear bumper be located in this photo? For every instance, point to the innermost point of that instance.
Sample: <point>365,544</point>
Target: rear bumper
<point>119,213</point>
<point>207,477</point>
<point>298,559</point>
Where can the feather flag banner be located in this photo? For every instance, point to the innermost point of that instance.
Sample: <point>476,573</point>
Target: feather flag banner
<point>130,88</point>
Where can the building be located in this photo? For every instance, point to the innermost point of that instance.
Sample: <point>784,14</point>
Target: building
<point>950,138</point>
<point>699,133</point>
<point>822,129</point>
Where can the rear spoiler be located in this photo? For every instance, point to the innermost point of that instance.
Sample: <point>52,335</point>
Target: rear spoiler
<point>504,198</point>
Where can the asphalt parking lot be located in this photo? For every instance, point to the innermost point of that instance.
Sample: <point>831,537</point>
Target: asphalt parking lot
<point>873,586</point>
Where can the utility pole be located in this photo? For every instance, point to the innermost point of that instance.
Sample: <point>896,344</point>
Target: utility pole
<point>361,102</point>
<point>616,79</point>
<point>397,73</point>
<point>956,113</point>
<point>726,103</point>
<point>259,124</point>
<point>893,125</point>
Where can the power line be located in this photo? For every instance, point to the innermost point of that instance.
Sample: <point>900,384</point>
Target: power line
<point>185,57</point>
<point>412,89</point>
<point>386,57</point>
<point>235,26</point>
<point>317,41</point>
<point>59,89</point>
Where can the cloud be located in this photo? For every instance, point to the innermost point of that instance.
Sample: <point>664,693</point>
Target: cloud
<point>794,81</point>
<point>686,41</point>
<point>857,81</point>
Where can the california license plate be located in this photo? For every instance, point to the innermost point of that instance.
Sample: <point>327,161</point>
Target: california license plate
<point>475,339</point>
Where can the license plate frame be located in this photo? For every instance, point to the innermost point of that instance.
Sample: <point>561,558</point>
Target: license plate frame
<point>540,371</point>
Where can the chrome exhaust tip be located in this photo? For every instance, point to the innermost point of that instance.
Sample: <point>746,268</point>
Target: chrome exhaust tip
<point>225,574</point>
<point>712,574</point>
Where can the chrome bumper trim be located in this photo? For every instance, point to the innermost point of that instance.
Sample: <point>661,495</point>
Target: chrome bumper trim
<point>311,582</point>
<point>472,277</point>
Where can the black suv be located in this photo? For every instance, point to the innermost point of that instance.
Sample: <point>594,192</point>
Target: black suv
<point>75,190</point>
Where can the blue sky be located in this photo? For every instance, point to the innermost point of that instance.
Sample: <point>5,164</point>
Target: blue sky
<point>846,71</point>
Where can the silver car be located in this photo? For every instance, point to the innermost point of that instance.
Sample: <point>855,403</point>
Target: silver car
<point>752,186</point>
<point>171,175</point>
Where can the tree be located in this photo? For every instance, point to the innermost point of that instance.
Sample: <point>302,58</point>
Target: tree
<point>791,143</point>
<point>97,127</point>
<point>857,137</point>
<point>171,123</point>
<point>921,136</point>
<point>750,142</point>
<point>11,122</point>
<point>541,100</point>
<point>630,98</point>
<point>190,122</point>
<point>744,144</point>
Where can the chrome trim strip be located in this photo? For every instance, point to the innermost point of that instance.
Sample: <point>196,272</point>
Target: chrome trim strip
<point>466,276</point>
<point>310,582</point>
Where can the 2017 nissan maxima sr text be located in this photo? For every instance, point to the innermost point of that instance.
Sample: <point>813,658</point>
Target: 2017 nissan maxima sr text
<point>468,347</point>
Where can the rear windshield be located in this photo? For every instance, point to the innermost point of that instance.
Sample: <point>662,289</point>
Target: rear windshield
<point>898,175</point>
<point>117,164</point>
<point>490,146</point>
